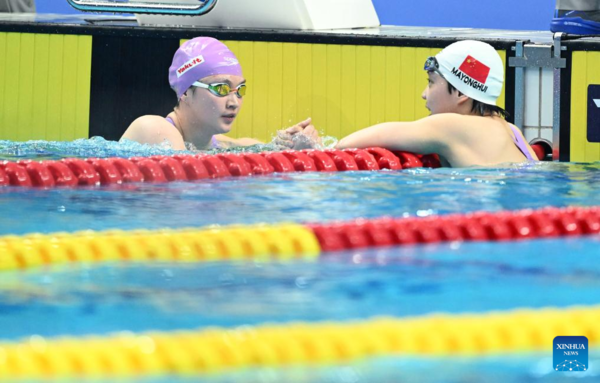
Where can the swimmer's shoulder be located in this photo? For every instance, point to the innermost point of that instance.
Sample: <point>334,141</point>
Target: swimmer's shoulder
<point>453,128</point>
<point>462,121</point>
<point>472,138</point>
<point>470,126</point>
<point>154,130</point>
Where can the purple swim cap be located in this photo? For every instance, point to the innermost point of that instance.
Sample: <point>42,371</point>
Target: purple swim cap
<point>199,58</point>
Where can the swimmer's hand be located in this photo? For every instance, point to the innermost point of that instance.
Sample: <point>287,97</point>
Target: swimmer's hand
<point>303,135</point>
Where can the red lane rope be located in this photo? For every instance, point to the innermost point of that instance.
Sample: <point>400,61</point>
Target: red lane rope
<point>73,172</point>
<point>480,226</point>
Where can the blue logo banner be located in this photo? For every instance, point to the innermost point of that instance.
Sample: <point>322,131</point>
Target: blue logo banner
<point>570,353</point>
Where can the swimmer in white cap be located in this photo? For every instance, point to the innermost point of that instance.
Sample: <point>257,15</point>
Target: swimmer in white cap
<point>466,127</point>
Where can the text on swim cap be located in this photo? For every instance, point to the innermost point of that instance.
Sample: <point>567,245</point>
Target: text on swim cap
<point>189,65</point>
<point>469,81</point>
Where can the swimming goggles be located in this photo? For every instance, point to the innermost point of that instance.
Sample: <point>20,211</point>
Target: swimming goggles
<point>222,89</point>
<point>432,65</point>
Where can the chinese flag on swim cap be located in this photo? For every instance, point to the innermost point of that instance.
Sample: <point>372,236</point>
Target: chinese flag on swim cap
<point>475,69</point>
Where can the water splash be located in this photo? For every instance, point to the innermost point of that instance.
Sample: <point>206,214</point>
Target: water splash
<point>81,148</point>
<point>102,148</point>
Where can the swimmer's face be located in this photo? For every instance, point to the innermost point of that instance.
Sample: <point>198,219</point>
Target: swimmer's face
<point>213,113</point>
<point>438,99</point>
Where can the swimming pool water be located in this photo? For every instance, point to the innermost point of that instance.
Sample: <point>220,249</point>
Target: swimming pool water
<point>400,282</point>
<point>352,285</point>
<point>523,368</point>
<point>300,197</point>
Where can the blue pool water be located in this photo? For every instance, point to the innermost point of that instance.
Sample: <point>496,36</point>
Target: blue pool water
<point>300,197</point>
<point>399,282</point>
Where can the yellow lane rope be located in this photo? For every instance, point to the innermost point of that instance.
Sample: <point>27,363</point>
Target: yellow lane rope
<point>215,350</point>
<point>285,241</point>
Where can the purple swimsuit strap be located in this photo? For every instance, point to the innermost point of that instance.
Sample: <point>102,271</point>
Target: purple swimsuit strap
<point>520,142</point>
<point>214,144</point>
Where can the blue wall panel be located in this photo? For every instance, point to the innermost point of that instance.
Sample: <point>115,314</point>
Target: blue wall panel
<point>494,14</point>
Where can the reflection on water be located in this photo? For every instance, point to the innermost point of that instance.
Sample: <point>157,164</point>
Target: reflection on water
<point>524,368</point>
<point>300,197</point>
<point>399,282</point>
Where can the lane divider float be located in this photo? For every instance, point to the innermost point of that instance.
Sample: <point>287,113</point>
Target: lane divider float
<point>259,242</point>
<point>479,226</point>
<point>214,350</point>
<point>72,172</point>
<point>290,241</point>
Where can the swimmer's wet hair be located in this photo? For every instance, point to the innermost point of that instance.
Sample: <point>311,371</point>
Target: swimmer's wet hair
<point>482,109</point>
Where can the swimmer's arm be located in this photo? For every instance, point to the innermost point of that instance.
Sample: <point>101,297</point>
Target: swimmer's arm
<point>428,135</point>
<point>228,142</point>
<point>154,130</point>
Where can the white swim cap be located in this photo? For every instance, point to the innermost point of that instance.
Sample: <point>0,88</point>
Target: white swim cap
<point>474,68</point>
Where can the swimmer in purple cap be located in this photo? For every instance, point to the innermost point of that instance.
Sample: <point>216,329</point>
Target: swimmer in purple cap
<point>210,87</point>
